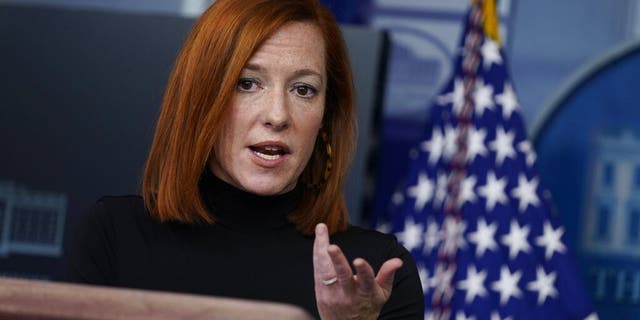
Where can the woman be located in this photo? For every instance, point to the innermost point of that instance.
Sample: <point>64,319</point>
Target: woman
<point>248,161</point>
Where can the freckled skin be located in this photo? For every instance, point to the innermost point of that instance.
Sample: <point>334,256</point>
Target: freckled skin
<point>279,101</point>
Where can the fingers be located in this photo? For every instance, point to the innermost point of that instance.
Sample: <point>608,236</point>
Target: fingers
<point>387,272</point>
<point>367,282</point>
<point>362,294</point>
<point>321,242</point>
<point>329,261</point>
<point>365,275</point>
<point>322,264</point>
<point>342,268</point>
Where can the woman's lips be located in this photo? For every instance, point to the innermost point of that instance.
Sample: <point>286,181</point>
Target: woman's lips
<point>268,153</point>
<point>271,153</point>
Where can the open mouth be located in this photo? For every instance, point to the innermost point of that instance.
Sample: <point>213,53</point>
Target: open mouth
<point>269,152</point>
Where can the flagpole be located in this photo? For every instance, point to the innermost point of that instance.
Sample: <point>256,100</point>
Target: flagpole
<point>446,265</point>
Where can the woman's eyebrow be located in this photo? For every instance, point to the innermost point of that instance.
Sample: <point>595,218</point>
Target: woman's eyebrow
<point>296,74</point>
<point>254,67</point>
<point>306,72</point>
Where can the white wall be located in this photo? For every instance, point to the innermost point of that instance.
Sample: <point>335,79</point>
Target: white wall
<point>552,40</point>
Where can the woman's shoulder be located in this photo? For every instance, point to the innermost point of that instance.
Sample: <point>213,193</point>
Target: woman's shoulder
<point>359,241</point>
<point>104,229</point>
<point>357,233</point>
<point>120,203</point>
<point>118,211</point>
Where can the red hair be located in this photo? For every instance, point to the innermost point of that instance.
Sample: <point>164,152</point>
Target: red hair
<point>197,100</point>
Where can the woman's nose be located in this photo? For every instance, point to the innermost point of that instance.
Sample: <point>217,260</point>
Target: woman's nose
<point>276,111</point>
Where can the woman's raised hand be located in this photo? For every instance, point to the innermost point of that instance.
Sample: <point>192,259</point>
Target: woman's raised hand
<point>340,294</point>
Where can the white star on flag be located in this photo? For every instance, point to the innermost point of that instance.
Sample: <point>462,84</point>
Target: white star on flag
<point>507,286</point>
<point>397,198</point>
<point>462,316</point>
<point>453,233</point>
<point>551,240</point>
<point>423,273</point>
<point>490,53</point>
<point>475,144</point>
<point>422,191</point>
<point>516,239</point>
<point>441,280</point>
<point>503,145</point>
<point>411,236</point>
<point>496,316</point>
<point>384,228</point>
<point>432,237</point>
<point>456,98</point>
<point>473,284</point>
<point>483,97</point>
<point>543,285</point>
<point>441,190</point>
<point>484,237</point>
<point>593,316</point>
<point>526,192</point>
<point>493,191</point>
<point>530,155</point>
<point>466,190</point>
<point>450,145</point>
<point>507,99</point>
<point>435,146</point>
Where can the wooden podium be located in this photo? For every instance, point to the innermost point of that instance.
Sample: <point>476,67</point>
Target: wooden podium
<point>30,300</point>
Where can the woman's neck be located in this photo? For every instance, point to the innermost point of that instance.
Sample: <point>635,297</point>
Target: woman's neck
<point>241,210</point>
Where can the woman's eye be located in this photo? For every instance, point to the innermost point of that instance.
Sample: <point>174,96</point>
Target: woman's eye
<point>305,91</point>
<point>247,84</point>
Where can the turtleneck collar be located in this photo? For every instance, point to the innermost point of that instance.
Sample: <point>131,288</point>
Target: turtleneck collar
<point>244,211</point>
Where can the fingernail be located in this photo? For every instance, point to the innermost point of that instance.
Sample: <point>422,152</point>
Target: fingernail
<point>320,227</point>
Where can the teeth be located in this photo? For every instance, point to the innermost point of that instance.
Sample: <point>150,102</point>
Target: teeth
<point>267,156</point>
<point>272,148</point>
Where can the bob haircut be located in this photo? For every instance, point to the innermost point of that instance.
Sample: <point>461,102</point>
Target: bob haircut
<point>201,89</point>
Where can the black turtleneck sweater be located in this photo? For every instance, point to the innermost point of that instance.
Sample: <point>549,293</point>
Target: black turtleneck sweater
<point>251,252</point>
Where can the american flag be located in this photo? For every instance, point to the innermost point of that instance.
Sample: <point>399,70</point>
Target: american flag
<point>474,212</point>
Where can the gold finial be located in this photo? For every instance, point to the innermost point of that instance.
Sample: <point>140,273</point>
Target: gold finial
<point>491,21</point>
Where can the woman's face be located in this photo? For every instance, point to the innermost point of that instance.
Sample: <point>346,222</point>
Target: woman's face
<point>276,113</point>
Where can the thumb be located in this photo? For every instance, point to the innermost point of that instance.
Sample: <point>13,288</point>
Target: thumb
<point>385,275</point>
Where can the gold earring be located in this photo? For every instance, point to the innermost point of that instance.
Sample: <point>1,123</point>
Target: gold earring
<point>328,162</point>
